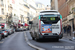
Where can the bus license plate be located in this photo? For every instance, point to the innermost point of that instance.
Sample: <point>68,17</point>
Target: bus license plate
<point>50,34</point>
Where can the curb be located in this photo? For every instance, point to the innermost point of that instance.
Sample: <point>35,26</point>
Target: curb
<point>33,46</point>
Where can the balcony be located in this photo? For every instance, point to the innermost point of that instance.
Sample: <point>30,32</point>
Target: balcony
<point>69,1</point>
<point>26,5</point>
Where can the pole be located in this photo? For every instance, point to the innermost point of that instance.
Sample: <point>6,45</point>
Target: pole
<point>56,5</point>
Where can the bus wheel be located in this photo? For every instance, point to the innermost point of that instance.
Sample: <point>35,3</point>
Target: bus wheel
<point>37,39</point>
<point>33,38</point>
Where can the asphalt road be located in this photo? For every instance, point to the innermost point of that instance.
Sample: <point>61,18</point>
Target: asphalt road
<point>15,41</point>
<point>52,44</point>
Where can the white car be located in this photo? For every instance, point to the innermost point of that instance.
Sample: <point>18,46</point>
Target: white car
<point>5,32</point>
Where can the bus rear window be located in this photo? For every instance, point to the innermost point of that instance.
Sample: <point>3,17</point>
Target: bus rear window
<point>50,20</point>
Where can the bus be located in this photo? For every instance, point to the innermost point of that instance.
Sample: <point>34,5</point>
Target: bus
<point>47,25</point>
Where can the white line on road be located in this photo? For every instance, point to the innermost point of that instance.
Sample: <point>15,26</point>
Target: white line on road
<point>1,42</point>
<point>38,48</point>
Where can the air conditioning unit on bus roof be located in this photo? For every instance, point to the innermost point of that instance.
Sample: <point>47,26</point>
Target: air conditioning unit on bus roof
<point>46,11</point>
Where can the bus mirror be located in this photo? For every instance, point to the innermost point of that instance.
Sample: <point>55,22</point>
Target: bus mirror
<point>30,22</point>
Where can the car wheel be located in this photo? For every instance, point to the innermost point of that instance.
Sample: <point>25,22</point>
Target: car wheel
<point>3,36</point>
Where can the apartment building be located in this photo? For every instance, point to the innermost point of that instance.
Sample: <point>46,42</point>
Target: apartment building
<point>32,10</point>
<point>52,4</point>
<point>47,7</point>
<point>3,11</point>
<point>14,11</point>
<point>71,15</point>
<point>39,7</point>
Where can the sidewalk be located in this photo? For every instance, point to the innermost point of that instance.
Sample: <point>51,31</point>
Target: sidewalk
<point>68,37</point>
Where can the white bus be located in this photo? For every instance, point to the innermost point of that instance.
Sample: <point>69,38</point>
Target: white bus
<point>47,25</point>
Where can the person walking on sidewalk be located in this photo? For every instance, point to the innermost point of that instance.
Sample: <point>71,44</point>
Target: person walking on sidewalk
<point>64,28</point>
<point>68,30</point>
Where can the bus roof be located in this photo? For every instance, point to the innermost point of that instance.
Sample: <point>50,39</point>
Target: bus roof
<point>49,12</point>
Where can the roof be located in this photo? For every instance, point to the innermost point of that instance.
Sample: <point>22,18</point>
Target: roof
<point>49,12</point>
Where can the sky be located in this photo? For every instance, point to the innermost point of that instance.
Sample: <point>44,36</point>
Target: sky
<point>45,2</point>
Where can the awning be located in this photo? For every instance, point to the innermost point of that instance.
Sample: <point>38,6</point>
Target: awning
<point>26,24</point>
<point>2,23</point>
<point>20,25</point>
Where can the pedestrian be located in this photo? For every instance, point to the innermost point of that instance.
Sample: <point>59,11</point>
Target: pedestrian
<point>70,30</point>
<point>64,29</point>
<point>67,29</point>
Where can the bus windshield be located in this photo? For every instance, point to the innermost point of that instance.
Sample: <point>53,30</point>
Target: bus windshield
<point>50,19</point>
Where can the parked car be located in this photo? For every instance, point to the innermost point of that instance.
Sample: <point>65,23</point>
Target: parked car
<point>5,33</point>
<point>24,29</point>
<point>19,29</point>
<point>1,35</point>
<point>8,31</point>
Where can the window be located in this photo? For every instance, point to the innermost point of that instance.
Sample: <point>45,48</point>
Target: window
<point>2,11</point>
<point>39,5</point>
<point>2,2</point>
<point>49,19</point>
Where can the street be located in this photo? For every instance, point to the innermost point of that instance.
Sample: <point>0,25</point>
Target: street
<point>53,45</point>
<point>17,41</point>
<point>37,24</point>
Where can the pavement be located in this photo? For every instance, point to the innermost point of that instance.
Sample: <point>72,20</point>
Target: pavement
<point>23,41</point>
<point>68,37</point>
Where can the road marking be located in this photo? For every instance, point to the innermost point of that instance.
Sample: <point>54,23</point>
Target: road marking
<point>1,42</point>
<point>38,48</point>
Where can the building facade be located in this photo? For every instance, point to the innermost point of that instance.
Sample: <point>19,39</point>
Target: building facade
<point>3,11</point>
<point>47,7</point>
<point>39,7</point>
<point>32,10</point>
<point>52,4</point>
<point>64,10</point>
<point>71,16</point>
